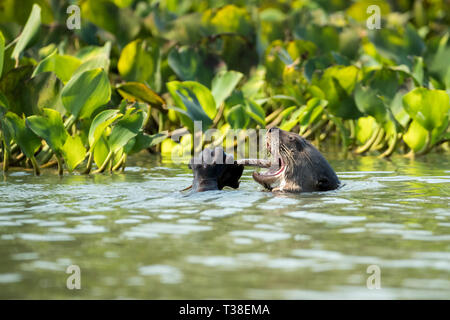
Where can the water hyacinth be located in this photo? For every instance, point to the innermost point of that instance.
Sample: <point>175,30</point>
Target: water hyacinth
<point>137,72</point>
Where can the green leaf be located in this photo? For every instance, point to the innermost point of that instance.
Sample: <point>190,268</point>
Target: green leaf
<point>101,151</point>
<point>44,91</point>
<point>365,127</point>
<point>100,123</point>
<point>237,117</point>
<point>189,64</point>
<point>223,85</point>
<point>140,62</point>
<point>126,129</point>
<point>2,52</point>
<point>229,18</point>
<point>358,10</point>
<point>29,32</point>
<point>143,141</point>
<point>416,136</point>
<point>86,92</point>
<point>256,112</point>
<point>338,83</point>
<point>314,108</point>
<point>62,65</point>
<point>135,91</point>
<point>195,99</point>
<point>28,142</point>
<point>73,152</point>
<point>12,86</point>
<point>49,127</point>
<point>428,107</point>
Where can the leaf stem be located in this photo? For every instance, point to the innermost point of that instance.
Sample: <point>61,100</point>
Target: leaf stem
<point>105,163</point>
<point>36,168</point>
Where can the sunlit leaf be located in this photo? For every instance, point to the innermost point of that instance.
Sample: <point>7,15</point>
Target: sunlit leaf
<point>135,91</point>
<point>29,32</point>
<point>49,127</point>
<point>223,84</point>
<point>416,136</point>
<point>428,107</point>
<point>62,65</point>
<point>85,92</point>
<point>100,123</point>
<point>195,99</point>
<point>125,129</point>
<point>139,61</point>
<point>338,83</point>
<point>28,142</point>
<point>101,151</point>
<point>73,152</point>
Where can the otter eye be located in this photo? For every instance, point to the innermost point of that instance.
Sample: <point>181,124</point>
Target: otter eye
<point>291,138</point>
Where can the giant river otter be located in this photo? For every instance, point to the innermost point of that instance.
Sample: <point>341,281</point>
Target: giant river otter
<point>296,166</point>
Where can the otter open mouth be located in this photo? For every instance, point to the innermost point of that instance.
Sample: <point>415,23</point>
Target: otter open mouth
<point>272,176</point>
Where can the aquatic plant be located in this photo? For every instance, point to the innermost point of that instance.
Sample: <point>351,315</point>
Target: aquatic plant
<point>137,72</point>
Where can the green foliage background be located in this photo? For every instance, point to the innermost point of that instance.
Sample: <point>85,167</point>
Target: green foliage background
<point>137,72</point>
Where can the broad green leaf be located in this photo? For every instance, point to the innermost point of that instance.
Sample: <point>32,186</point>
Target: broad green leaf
<point>195,98</point>
<point>314,108</point>
<point>12,86</point>
<point>397,45</point>
<point>126,129</point>
<point>43,91</point>
<point>101,151</point>
<point>28,142</point>
<point>90,52</point>
<point>100,123</point>
<point>189,64</point>
<point>229,18</point>
<point>223,85</point>
<point>369,103</point>
<point>428,107</point>
<point>237,117</point>
<point>2,52</point>
<point>102,13</point>
<point>73,152</point>
<point>140,62</point>
<point>62,65</point>
<point>135,91</point>
<point>256,112</point>
<point>85,92</point>
<point>49,127</point>
<point>416,136</point>
<point>358,10</point>
<point>29,32</point>
<point>326,38</point>
<point>93,57</point>
<point>338,83</point>
<point>143,141</point>
<point>365,127</point>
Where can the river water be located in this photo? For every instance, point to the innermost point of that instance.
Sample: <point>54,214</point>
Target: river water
<point>134,235</point>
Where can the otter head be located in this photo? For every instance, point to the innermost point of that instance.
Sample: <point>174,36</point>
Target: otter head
<point>296,165</point>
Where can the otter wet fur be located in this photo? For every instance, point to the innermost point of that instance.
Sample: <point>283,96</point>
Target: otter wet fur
<point>296,166</point>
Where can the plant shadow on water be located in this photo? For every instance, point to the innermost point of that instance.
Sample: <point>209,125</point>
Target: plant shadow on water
<point>135,235</point>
